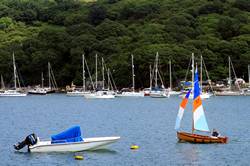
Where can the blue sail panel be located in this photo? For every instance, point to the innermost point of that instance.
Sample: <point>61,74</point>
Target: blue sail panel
<point>196,85</point>
<point>199,119</point>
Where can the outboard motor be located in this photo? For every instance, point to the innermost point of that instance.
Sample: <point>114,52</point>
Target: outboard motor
<point>29,140</point>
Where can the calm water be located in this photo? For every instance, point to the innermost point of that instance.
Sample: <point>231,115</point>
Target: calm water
<point>146,122</point>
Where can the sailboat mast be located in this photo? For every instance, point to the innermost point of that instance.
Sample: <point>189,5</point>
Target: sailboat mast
<point>108,80</point>
<point>192,73</point>
<point>133,73</point>
<point>249,75</point>
<point>14,69</point>
<point>49,75</point>
<point>170,75</point>
<point>201,75</point>
<point>229,72</point>
<point>96,71</point>
<point>150,75</point>
<point>103,78</point>
<point>193,89</point>
<point>156,69</point>
<point>83,73</point>
<point>2,83</point>
<point>42,79</point>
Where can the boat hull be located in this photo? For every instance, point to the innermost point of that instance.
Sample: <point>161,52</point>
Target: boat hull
<point>202,96</point>
<point>100,95</point>
<point>130,94</point>
<point>76,93</point>
<point>230,93</point>
<point>37,93</point>
<point>159,94</point>
<point>196,138</point>
<point>87,144</point>
<point>12,93</point>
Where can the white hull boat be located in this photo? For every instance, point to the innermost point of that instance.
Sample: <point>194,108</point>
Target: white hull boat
<point>86,144</point>
<point>99,95</point>
<point>77,93</point>
<point>202,96</point>
<point>130,94</point>
<point>15,92</point>
<point>228,93</point>
<point>146,92</point>
<point>159,94</point>
<point>67,141</point>
<point>174,92</point>
<point>37,91</point>
<point>12,93</point>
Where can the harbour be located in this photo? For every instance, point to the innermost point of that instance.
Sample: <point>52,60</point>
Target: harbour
<point>124,82</point>
<point>147,122</point>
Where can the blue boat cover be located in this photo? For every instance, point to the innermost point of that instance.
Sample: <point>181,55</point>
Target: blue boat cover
<point>73,134</point>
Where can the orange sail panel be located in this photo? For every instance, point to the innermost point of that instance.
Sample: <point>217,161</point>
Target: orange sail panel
<point>181,111</point>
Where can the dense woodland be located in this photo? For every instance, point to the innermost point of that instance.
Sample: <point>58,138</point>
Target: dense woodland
<point>60,31</point>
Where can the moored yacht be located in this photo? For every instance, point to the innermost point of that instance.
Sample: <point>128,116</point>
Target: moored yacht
<point>126,92</point>
<point>13,92</point>
<point>157,91</point>
<point>101,94</point>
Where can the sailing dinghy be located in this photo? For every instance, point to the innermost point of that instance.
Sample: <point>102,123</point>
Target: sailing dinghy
<point>67,141</point>
<point>199,122</point>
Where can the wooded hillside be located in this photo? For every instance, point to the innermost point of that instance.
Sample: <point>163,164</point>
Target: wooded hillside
<point>60,31</point>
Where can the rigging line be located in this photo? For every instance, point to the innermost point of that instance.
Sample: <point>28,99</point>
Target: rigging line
<point>161,78</point>
<point>18,79</point>
<point>53,78</point>
<point>111,80</point>
<point>190,61</point>
<point>153,73</point>
<point>89,74</point>
<point>207,75</point>
<point>234,74</point>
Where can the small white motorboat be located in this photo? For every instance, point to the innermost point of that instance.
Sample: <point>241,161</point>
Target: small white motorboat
<point>67,141</point>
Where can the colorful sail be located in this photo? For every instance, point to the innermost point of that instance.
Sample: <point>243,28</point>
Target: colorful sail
<point>181,111</point>
<point>199,119</point>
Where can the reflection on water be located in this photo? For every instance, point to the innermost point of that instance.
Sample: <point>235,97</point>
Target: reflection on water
<point>102,151</point>
<point>189,152</point>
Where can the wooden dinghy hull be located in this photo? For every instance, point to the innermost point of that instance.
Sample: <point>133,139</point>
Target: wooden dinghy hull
<point>196,138</point>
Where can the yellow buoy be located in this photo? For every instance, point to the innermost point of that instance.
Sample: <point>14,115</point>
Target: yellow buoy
<point>133,147</point>
<point>79,157</point>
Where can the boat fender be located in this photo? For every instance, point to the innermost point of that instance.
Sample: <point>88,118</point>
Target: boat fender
<point>134,147</point>
<point>78,157</point>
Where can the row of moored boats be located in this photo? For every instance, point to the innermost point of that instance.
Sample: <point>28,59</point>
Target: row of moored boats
<point>100,90</point>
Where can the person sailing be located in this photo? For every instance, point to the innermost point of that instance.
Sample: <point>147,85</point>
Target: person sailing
<point>215,133</point>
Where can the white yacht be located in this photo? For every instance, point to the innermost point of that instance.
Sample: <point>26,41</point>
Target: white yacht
<point>13,92</point>
<point>157,91</point>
